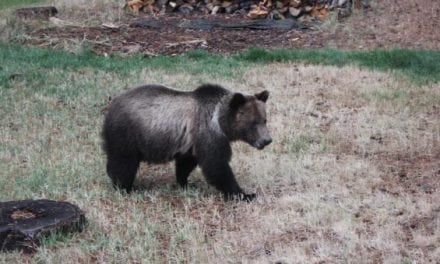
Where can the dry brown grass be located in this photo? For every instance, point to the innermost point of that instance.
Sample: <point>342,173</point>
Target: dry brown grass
<point>351,177</point>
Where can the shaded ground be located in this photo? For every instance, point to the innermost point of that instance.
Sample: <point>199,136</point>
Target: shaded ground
<point>387,24</point>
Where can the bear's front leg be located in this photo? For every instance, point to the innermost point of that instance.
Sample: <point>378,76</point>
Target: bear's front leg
<point>213,154</point>
<point>221,176</point>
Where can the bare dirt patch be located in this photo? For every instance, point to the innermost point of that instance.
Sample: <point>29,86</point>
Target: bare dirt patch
<point>387,24</point>
<point>410,174</point>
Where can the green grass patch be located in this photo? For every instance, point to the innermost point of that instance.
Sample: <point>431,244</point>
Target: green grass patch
<point>9,3</point>
<point>420,65</point>
<point>31,64</point>
<point>299,144</point>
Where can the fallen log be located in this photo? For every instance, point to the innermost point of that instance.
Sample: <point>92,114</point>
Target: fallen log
<point>208,24</point>
<point>37,12</point>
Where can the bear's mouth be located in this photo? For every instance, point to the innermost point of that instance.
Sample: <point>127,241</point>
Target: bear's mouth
<point>258,146</point>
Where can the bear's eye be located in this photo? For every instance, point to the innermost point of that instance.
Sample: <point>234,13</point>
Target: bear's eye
<point>265,121</point>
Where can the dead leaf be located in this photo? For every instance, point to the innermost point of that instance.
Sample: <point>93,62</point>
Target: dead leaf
<point>295,3</point>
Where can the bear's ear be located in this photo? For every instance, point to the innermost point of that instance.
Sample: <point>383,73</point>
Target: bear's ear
<point>262,96</point>
<point>237,100</point>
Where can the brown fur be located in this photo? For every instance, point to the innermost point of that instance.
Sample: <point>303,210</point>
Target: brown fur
<point>156,124</point>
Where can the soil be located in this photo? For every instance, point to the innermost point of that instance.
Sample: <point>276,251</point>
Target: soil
<point>386,24</point>
<point>410,174</point>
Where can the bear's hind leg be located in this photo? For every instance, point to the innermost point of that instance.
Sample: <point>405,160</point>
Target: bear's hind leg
<point>122,170</point>
<point>185,164</point>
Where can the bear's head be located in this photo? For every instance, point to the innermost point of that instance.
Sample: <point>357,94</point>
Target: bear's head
<point>248,119</point>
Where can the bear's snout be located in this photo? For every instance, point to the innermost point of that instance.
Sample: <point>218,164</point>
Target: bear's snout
<point>260,144</point>
<point>263,138</point>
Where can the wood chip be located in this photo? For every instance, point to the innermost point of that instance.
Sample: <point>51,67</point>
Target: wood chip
<point>172,4</point>
<point>295,12</point>
<point>226,4</point>
<point>295,3</point>
<point>215,10</point>
<point>135,5</point>
<point>319,13</point>
<point>110,25</point>
<point>308,9</point>
<point>258,13</point>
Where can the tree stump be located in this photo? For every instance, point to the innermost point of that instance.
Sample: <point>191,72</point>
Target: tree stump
<point>24,223</point>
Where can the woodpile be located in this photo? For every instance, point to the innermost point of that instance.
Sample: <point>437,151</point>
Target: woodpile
<point>304,10</point>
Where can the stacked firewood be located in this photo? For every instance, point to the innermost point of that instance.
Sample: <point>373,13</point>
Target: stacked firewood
<point>255,9</point>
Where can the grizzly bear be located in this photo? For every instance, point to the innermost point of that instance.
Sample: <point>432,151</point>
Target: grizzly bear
<point>157,124</point>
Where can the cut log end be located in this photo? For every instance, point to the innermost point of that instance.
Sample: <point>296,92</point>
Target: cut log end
<point>23,224</point>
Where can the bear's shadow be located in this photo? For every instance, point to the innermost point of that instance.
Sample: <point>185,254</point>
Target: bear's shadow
<point>162,177</point>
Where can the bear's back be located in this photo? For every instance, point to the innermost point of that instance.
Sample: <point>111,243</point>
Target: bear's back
<point>156,119</point>
<point>210,94</point>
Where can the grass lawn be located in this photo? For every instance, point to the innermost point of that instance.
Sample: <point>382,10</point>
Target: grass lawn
<point>352,174</point>
<point>419,66</point>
